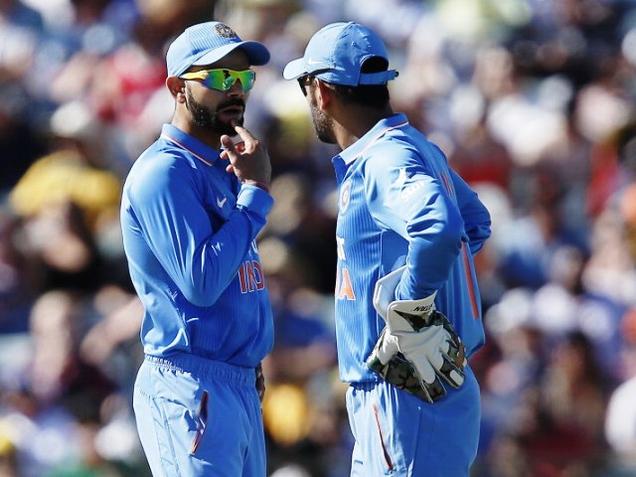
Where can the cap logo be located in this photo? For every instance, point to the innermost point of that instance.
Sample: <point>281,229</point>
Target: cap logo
<point>224,31</point>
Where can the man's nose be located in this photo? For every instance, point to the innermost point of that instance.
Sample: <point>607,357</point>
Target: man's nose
<point>236,91</point>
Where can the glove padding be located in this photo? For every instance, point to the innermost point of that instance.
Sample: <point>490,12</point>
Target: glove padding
<point>401,373</point>
<point>418,346</point>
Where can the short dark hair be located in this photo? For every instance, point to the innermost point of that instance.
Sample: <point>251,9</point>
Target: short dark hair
<point>373,96</point>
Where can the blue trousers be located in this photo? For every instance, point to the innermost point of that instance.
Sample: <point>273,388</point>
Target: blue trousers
<point>197,417</point>
<point>397,434</point>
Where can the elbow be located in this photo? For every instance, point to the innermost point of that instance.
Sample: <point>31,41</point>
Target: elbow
<point>444,233</point>
<point>487,232</point>
<point>199,298</point>
<point>201,283</point>
<point>452,231</point>
<point>203,301</point>
<point>484,231</point>
<point>487,224</point>
<point>485,221</point>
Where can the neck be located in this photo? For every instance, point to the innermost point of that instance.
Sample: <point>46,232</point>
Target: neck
<point>204,135</point>
<point>356,122</point>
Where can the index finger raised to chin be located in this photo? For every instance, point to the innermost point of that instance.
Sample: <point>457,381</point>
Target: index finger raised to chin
<point>244,134</point>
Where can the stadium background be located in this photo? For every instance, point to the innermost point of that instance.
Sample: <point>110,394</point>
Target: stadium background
<point>533,102</point>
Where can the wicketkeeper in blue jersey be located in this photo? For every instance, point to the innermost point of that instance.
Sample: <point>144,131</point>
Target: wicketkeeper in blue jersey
<point>407,303</point>
<point>190,215</point>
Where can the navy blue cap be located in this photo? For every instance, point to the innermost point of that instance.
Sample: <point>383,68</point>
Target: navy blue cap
<point>335,54</point>
<point>206,43</point>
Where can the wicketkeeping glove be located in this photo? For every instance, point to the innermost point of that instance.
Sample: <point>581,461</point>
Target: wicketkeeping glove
<point>418,346</point>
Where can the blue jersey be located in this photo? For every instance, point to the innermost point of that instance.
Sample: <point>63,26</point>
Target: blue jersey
<point>189,232</point>
<point>401,203</point>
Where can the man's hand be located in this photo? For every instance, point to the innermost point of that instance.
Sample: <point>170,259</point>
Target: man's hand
<point>419,336</point>
<point>399,371</point>
<point>249,161</point>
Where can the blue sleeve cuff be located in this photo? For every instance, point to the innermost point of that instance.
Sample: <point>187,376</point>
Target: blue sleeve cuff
<point>255,200</point>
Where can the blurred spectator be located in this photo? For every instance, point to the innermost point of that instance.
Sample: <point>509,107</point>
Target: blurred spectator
<point>20,143</point>
<point>620,421</point>
<point>532,101</point>
<point>574,389</point>
<point>17,285</point>
<point>121,323</point>
<point>74,172</point>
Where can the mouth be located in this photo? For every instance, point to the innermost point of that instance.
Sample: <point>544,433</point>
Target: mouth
<point>231,111</point>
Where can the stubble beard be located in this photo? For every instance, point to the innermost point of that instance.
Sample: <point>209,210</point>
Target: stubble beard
<point>322,124</point>
<point>204,118</point>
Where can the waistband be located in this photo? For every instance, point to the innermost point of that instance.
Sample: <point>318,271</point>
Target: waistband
<point>365,385</point>
<point>368,385</point>
<point>204,367</point>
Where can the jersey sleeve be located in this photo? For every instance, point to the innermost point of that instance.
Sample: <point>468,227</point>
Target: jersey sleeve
<point>405,195</point>
<point>170,210</point>
<point>474,213</point>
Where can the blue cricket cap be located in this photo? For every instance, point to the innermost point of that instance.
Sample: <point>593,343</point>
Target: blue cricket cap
<point>205,43</point>
<point>335,54</point>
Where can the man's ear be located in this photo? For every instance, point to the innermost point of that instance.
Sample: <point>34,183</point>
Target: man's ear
<point>176,86</point>
<point>324,95</point>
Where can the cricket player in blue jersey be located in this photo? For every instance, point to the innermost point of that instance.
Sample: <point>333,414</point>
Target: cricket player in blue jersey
<point>190,214</point>
<point>407,308</point>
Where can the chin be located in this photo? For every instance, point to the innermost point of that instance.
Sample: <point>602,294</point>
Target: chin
<point>227,127</point>
<point>325,136</point>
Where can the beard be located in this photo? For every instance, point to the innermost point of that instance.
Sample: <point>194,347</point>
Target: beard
<point>205,118</point>
<point>322,124</point>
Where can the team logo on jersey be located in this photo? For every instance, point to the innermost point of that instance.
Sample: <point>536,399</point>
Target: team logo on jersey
<point>224,31</point>
<point>345,196</point>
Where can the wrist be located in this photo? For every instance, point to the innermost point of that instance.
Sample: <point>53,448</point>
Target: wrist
<point>259,184</point>
<point>410,315</point>
<point>256,201</point>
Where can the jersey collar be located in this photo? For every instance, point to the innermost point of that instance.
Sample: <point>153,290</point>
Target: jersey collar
<point>343,160</point>
<point>201,151</point>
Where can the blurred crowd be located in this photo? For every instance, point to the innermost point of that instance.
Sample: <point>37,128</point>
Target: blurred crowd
<point>533,103</point>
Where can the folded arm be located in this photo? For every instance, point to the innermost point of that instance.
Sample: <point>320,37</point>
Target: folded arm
<point>169,208</point>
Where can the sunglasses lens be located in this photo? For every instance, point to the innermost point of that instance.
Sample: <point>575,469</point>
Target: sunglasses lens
<point>216,80</point>
<point>301,83</point>
<point>246,77</point>
<point>223,80</point>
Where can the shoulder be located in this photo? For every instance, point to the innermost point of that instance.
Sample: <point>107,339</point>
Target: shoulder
<point>393,152</point>
<point>158,170</point>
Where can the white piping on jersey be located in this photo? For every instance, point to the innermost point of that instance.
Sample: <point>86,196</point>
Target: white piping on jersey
<point>374,140</point>
<point>165,136</point>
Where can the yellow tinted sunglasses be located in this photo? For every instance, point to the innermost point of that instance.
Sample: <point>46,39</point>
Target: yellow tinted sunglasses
<point>222,79</point>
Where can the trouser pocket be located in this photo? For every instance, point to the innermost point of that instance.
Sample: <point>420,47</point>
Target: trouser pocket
<point>387,460</point>
<point>201,420</point>
<point>171,431</point>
